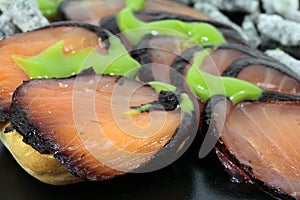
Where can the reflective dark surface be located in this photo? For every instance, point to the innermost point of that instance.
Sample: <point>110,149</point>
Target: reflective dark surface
<point>189,178</point>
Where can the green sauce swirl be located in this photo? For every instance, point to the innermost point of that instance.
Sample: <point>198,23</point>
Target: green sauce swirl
<point>134,29</point>
<point>205,85</point>
<point>54,63</point>
<point>49,7</point>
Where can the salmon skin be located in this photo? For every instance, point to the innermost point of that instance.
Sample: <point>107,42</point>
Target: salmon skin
<point>85,122</point>
<point>75,35</point>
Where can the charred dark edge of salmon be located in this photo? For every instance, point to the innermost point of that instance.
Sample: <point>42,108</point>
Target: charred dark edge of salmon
<point>4,115</point>
<point>237,66</point>
<point>177,75</point>
<point>246,50</point>
<point>233,34</point>
<point>32,136</point>
<point>99,31</point>
<point>238,172</point>
<point>269,96</point>
<point>241,173</point>
<point>61,15</point>
<point>140,53</point>
<point>233,167</point>
<point>85,173</point>
<point>181,61</point>
<point>189,124</point>
<point>181,135</point>
<point>273,191</point>
<point>110,23</point>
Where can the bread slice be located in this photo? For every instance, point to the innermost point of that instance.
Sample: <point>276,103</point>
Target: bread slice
<point>43,167</point>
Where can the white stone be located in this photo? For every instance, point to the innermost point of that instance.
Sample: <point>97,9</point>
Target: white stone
<point>249,28</point>
<point>249,6</point>
<point>293,15</point>
<point>216,15</point>
<point>286,59</point>
<point>6,28</point>
<point>24,14</point>
<point>280,6</point>
<point>289,9</point>
<point>275,27</point>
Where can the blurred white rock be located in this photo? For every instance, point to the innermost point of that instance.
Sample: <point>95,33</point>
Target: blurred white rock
<point>23,14</point>
<point>289,9</point>
<point>285,58</point>
<point>218,16</point>
<point>275,27</point>
<point>249,28</point>
<point>248,6</point>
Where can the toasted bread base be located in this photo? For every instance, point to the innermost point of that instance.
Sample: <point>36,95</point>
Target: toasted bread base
<point>43,167</point>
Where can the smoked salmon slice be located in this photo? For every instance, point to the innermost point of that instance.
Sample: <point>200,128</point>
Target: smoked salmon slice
<point>91,124</point>
<point>233,60</point>
<point>258,142</point>
<point>76,36</point>
<point>267,74</point>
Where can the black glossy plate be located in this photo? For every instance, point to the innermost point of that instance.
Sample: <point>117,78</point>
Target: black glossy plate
<point>189,178</point>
